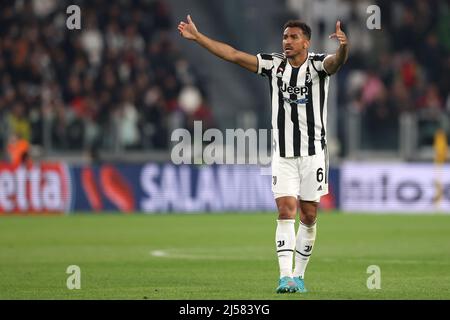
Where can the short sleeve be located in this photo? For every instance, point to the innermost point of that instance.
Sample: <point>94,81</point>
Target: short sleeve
<point>318,60</point>
<point>265,64</point>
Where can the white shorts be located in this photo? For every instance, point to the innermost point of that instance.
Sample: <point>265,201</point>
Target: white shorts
<point>304,177</point>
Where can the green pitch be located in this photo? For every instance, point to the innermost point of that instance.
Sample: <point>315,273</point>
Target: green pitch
<point>220,256</point>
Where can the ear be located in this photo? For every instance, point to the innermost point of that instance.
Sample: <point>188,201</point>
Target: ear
<point>306,44</point>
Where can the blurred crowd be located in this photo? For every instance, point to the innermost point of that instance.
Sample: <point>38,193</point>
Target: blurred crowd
<point>402,68</point>
<point>117,83</point>
<point>121,83</point>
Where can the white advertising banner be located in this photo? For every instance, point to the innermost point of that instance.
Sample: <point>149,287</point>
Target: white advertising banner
<point>188,188</point>
<point>395,187</point>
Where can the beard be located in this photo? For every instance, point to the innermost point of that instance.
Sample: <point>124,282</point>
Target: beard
<point>290,53</point>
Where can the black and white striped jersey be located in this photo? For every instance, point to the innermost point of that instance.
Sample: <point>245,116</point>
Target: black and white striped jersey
<point>299,103</point>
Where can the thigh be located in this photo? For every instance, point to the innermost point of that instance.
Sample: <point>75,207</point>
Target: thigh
<point>314,177</point>
<point>285,177</point>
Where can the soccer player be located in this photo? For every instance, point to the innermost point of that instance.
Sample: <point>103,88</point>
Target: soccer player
<point>298,86</point>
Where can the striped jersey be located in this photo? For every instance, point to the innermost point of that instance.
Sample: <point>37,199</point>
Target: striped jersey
<point>299,103</point>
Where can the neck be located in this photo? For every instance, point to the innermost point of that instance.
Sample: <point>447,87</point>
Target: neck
<point>299,59</point>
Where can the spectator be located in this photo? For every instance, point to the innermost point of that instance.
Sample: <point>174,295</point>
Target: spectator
<point>18,150</point>
<point>94,84</point>
<point>411,73</point>
<point>18,121</point>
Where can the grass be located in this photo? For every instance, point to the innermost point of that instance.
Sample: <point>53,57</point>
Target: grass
<point>219,256</point>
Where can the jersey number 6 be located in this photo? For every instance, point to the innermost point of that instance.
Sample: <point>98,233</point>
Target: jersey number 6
<point>319,175</point>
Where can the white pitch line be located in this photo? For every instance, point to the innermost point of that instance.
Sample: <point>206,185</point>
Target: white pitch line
<point>166,254</point>
<point>205,256</point>
<point>172,254</point>
<point>159,253</point>
<point>392,261</point>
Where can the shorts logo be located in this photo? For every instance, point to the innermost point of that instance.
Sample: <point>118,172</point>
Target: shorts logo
<point>320,188</point>
<point>280,243</point>
<point>274,180</point>
<point>308,248</point>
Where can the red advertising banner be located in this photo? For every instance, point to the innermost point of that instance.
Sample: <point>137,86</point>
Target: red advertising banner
<point>37,189</point>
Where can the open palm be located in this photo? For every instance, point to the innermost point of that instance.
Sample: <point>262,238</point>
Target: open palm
<point>188,30</point>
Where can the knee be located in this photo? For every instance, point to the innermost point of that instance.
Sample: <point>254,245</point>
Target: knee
<point>309,217</point>
<point>286,212</point>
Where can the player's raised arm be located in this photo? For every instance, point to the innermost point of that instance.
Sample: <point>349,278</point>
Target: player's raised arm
<point>189,31</point>
<point>332,63</point>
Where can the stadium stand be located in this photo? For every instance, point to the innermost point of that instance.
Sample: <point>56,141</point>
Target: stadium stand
<point>122,83</point>
<point>118,83</point>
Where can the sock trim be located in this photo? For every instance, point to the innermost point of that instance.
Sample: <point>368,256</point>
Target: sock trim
<point>282,250</point>
<point>305,255</point>
<point>308,225</point>
<point>286,220</point>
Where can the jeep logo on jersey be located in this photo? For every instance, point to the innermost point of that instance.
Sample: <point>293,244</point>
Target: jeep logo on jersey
<point>294,90</point>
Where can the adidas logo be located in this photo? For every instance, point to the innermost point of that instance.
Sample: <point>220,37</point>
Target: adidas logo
<point>320,188</point>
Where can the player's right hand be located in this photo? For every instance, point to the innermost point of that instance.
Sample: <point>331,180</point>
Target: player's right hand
<point>188,30</point>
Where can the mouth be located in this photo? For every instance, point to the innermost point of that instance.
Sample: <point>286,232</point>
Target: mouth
<point>288,49</point>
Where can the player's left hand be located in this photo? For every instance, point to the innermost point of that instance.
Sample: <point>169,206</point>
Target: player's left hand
<point>339,34</point>
<point>188,30</point>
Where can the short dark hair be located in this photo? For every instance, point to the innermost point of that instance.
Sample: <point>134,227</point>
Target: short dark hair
<point>299,24</point>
